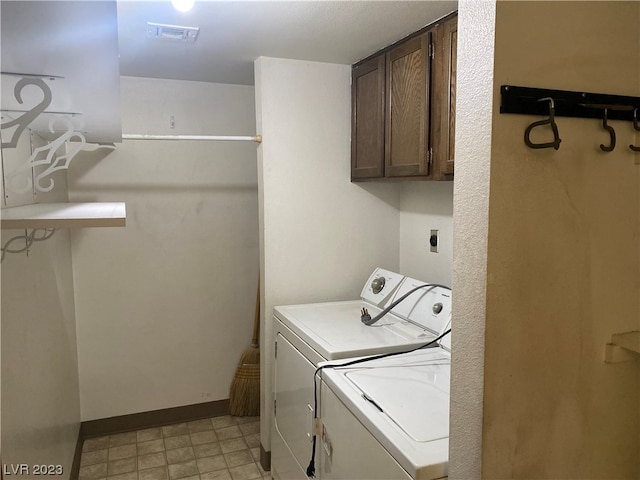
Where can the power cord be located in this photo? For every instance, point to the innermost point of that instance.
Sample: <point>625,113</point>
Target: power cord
<point>366,318</point>
<point>311,468</point>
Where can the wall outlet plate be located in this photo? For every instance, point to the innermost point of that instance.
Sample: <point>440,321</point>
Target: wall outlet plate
<point>433,241</point>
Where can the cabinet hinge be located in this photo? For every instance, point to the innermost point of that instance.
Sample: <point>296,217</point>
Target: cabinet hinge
<point>430,156</point>
<point>317,426</point>
<point>431,50</point>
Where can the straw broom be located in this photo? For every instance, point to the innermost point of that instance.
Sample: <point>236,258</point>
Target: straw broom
<point>244,397</point>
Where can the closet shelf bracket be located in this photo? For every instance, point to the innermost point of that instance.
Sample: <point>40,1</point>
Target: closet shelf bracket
<point>624,347</point>
<point>45,218</point>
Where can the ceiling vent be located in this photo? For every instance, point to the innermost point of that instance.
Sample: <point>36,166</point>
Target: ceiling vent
<point>172,32</point>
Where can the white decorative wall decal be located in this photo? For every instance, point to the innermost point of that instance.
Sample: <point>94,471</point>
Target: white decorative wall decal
<point>52,157</point>
<point>23,121</point>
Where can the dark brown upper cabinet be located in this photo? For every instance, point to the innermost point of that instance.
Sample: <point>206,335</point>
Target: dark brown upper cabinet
<point>399,100</point>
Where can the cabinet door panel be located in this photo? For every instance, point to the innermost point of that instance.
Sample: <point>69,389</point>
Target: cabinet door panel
<point>444,104</point>
<point>407,96</point>
<point>450,52</point>
<point>367,119</point>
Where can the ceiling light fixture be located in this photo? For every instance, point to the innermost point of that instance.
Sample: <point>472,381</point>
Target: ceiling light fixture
<point>172,32</point>
<point>182,5</point>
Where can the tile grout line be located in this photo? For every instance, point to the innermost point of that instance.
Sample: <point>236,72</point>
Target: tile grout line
<point>189,434</point>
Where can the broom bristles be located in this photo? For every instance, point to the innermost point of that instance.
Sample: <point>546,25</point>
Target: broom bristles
<point>244,396</point>
<point>250,356</point>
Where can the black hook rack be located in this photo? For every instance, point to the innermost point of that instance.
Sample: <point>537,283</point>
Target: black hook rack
<point>565,103</point>
<point>636,126</point>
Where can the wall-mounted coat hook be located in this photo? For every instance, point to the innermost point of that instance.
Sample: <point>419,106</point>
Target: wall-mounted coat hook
<point>636,126</point>
<point>549,121</point>
<point>565,103</point>
<point>612,133</point>
<point>605,120</point>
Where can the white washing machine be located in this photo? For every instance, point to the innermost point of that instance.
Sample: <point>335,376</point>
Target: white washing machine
<point>312,333</point>
<point>387,419</point>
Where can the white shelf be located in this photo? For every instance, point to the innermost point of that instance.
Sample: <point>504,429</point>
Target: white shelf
<point>628,341</point>
<point>65,215</point>
<point>623,347</point>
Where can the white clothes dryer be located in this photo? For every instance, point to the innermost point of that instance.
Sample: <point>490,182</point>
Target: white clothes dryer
<point>387,419</point>
<point>308,334</point>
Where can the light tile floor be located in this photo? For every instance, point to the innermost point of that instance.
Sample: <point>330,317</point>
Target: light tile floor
<point>222,448</point>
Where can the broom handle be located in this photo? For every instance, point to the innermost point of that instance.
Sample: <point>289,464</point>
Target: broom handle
<point>256,320</point>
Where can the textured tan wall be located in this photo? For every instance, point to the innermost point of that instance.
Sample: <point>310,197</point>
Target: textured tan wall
<point>563,257</point>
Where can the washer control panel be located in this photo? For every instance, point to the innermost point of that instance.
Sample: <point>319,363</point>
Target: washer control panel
<point>380,286</point>
<point>428,307</point>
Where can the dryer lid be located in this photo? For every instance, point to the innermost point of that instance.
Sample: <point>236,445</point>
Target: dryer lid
<point>445,342</point>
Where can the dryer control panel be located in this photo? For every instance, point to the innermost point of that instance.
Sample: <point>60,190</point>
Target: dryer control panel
<point>380,286</point>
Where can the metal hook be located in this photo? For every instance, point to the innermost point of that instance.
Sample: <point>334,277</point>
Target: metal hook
<point>612,133</point>
<point>636,126</point>
<point>549,121</point>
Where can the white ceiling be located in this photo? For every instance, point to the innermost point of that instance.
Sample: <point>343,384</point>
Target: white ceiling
<point>78,42</point>
<point>234,33</point>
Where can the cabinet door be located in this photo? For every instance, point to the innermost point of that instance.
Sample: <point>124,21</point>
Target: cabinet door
<point>445,93</point>
<point>407,120</point>
<point>367,119</point>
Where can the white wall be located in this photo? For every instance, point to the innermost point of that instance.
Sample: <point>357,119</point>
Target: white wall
<point>321,235</point>
<point>425,206</point>
<point>40,392</point>
<point>165,306</point>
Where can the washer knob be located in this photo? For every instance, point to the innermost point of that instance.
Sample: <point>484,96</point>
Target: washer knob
<point>377,284</point>
<point>437,308</point>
